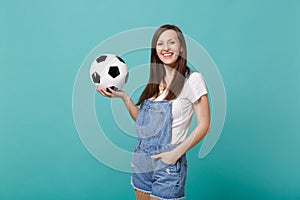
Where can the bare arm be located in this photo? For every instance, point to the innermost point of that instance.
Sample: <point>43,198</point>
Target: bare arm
<point>131,107</point>
<point>201,107</point>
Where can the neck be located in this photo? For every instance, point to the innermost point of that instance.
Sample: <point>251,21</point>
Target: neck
<point>169,74</point>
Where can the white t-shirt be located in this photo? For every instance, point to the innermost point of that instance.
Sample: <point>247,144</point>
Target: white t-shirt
<point>182,106</point>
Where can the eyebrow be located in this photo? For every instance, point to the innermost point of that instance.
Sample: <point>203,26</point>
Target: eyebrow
<point>168,40</point>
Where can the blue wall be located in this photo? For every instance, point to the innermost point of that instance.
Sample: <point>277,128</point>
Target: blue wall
<point>255,45</point>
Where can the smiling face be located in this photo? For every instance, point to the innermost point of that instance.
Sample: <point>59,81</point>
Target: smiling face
<point>168,47</point>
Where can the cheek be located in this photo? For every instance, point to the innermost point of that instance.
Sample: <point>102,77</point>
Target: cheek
<point>177,53</point>
<point>177,49</point>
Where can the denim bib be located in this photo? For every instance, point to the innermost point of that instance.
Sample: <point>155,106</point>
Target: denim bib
<point>153,124</point>
<point>153,127</point>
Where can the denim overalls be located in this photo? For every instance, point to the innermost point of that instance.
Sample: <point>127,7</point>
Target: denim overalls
<point>153,127</point>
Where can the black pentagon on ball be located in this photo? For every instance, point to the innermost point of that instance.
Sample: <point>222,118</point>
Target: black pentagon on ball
<point>126,78</point>
<point>114,71</point>
<point>96,77</point>
<point>120,59</point>
<point>101,58</point>
<point>113,88</point>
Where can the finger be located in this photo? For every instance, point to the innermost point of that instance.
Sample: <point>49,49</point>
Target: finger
<point>111,90</point>
<point>101,91</point>
<point>107,94</point>
<point>104,93</point>
<point>157,156</point>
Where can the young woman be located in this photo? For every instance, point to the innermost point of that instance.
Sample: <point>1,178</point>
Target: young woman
<point>172,95</point>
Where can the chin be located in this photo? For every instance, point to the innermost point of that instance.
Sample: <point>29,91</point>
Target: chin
<point>169,64</point>
<point>167,61</point>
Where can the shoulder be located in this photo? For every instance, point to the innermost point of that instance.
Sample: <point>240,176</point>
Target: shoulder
<point>195,86</point>
<point>195,77</point>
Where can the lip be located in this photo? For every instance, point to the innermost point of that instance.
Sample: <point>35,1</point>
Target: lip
<point>167,54</point>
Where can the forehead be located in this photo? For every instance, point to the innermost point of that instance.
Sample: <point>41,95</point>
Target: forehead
<point>168,34</point>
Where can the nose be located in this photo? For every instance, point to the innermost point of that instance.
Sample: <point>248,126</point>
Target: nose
<point>166,47</point>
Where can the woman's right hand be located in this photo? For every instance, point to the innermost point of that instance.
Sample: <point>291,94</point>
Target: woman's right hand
<point>111,94</point>
<point>131,107</point>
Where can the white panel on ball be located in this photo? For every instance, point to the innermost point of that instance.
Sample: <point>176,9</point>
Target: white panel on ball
<point>109,71</point>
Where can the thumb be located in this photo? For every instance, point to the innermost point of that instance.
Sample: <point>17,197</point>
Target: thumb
<point>157,156</point>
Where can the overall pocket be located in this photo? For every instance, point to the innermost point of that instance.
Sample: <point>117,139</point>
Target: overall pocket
<point>150,122</point>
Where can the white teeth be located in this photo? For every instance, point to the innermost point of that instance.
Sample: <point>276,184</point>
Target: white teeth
<point>167,54</point>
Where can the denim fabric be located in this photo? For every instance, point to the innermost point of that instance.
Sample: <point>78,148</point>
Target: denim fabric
<point>153,127</point>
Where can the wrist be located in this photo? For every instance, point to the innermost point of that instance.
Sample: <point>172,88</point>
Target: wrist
<point>177,153</point>
<point>125,97</point>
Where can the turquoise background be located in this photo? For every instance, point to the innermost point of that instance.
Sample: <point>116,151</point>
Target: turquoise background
<point>255,45</point>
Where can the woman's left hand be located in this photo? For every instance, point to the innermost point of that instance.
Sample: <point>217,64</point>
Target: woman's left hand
<point>169,157</point>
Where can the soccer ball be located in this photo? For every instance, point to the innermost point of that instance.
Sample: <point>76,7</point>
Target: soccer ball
<point>109,71</point>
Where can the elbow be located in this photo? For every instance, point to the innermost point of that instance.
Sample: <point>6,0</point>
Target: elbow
<point>208,129</point>
<point>135,115</point>
<point>204,126</point>
<point>207,126</point>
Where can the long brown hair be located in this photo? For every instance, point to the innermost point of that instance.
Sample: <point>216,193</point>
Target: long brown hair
<point>157,69</point>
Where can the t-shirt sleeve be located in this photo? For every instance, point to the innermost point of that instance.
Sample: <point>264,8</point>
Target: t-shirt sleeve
<point>196,87</point>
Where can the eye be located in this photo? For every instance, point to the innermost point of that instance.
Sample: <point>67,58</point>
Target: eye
<point>172,42</point>
<point>159,44</point>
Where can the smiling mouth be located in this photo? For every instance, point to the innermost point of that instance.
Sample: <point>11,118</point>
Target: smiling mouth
<point>167,55</point>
